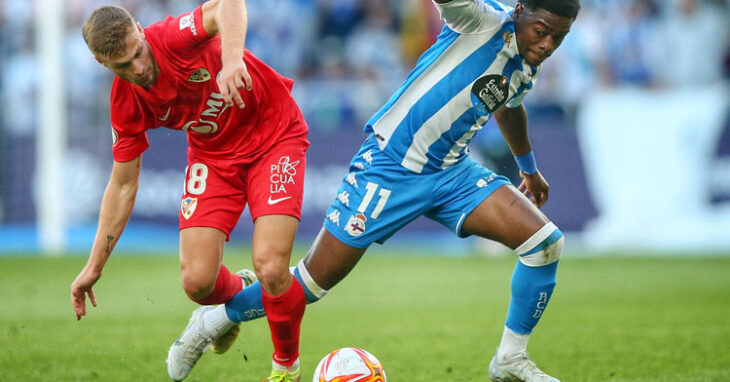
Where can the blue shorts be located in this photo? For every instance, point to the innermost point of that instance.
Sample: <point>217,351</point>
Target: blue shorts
<point>379,196</point>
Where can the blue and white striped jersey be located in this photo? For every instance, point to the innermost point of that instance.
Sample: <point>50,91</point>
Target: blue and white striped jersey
<point>471,70</point>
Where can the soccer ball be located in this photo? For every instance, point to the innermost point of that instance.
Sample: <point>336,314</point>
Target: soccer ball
<point>349,365</point>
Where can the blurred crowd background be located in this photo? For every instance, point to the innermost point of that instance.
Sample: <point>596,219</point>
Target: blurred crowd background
<point>332,47</point>
<point>347,57</point>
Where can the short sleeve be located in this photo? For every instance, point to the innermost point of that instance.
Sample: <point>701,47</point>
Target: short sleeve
<point>129,122</point>
<point>472,16</point>
<point>180,35</point>
<point>126,147</point>
<point>519,98</point>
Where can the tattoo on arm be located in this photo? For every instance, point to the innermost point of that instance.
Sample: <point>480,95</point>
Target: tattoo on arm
<point>109,239</point>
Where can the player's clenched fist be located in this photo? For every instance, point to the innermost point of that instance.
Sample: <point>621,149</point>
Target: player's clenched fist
<point>233,76</point>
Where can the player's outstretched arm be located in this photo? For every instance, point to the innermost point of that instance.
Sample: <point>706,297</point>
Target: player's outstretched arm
<point>512,123</point>
<point>116,207</point>
<point>229,18</point>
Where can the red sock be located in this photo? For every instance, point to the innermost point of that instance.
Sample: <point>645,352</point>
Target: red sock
<point>284,313</point>
<point>226,286</point>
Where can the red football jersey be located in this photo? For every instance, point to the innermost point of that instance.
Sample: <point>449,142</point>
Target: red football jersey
<point>186,97</point>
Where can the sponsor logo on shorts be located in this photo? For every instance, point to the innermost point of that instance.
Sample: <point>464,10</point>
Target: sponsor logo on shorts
<point>275,201</point>
<point>359,165</point>
<point>334,217</point>
<point>188,21</point>
<point>115,137</point>
<point>351,179</point>
<point>368,156</point>
<point>484,182</point>
<point>282,174</point>
<point>356,225</point>
<point>188,206</point>
<point>344,198</point>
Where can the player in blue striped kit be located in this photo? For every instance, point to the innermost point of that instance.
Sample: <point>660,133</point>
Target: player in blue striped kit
<point>415,162</point>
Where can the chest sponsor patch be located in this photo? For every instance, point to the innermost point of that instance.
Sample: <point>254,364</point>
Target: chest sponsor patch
<point>489,93</point>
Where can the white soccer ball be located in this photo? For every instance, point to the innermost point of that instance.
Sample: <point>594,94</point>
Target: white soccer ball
<point>349,365</point>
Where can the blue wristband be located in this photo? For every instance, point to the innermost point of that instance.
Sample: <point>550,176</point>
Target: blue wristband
<point>526,163</point>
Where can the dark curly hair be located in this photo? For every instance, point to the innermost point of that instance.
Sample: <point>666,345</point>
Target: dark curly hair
<point>565,8</point>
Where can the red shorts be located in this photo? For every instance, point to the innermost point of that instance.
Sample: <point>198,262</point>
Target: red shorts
<point>216,191</point>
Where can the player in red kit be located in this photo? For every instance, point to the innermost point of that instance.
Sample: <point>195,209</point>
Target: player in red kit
<point>247,145</point>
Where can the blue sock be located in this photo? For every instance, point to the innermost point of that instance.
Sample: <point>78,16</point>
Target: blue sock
<point>246,305</point>
<point>531,291</point>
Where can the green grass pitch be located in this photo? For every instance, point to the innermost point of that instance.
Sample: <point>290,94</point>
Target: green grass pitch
<point>611,318</point>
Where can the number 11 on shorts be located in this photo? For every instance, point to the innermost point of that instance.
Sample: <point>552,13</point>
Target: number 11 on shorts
<point>383,194</point>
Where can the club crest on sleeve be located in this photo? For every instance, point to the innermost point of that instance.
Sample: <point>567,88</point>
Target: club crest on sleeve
<point>188,21</point>
<point>356,225</point>
<point>188,206</point>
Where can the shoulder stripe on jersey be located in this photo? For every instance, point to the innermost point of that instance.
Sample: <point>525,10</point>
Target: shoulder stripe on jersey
<point>454,103</point>
<point>445,73</point>
<point>497,6</point>
<point>517,80</point>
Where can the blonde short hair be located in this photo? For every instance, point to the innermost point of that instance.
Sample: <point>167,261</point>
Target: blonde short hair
<point>106,29</point>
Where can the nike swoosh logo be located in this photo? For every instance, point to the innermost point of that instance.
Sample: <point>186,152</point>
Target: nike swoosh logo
<point>274,201</point>
<point>166,115</point>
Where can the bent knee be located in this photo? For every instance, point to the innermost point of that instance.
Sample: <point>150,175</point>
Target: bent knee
<point>543,247</point>
<point>273,273</point>
<point>197,287</point>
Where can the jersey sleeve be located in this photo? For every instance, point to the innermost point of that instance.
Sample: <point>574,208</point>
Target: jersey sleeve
<point>126,147</point>
<point>182,35</point>
<point>517,100</point>
<point>129,124</point>
<point>520,97</point>
<point>472,16</point>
